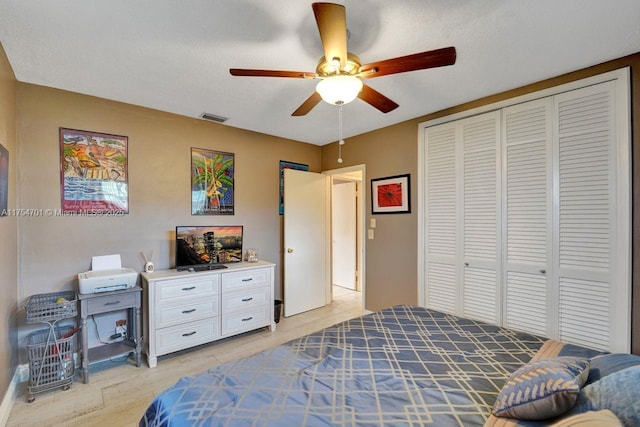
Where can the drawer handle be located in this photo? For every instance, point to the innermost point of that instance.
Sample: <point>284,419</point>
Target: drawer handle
<point>189,311</point>
<point>247,280</point>
<point>189,334</point>
<point>247,299</point>
<point>112,303</point>
<point>190,288</point>
<point>246,319</point>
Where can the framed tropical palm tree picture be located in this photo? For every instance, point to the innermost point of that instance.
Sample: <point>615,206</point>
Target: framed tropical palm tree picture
<point>211,182</point>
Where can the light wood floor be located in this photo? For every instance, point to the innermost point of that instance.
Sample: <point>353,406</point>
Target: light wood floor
<point>118,393</point>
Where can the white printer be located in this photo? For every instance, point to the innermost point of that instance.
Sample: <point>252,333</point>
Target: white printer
<point>107,275</point>
<point>95,281</point>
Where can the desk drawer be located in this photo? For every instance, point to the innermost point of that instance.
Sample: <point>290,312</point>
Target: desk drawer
<point>242,279</point>
<point>194,310</point>
<point>184,336</point>
<point>168,290</point>
<point>252,298</point>
<point>105,303</point>
<point>245,321</point>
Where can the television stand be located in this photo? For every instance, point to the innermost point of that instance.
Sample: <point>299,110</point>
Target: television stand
<point>186,309</point>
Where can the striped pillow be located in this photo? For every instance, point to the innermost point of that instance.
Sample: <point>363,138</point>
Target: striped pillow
<point>543,389</point>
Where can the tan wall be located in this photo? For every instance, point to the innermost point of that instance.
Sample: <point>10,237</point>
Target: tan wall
<point>54,249</point>
<point>391,261</point>
<point>8,230</point>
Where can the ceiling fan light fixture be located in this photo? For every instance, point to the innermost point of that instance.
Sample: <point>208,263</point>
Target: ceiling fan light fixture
<point>339,89</point>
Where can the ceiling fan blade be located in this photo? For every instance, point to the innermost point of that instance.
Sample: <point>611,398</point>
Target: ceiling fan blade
<point>307,105</point>
<point>272,73</point>
<point>417,61</point>
<point>332,25</point>
<point>376,99</point>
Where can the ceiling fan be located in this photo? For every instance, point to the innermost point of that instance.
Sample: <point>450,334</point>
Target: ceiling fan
<point>341,73</point>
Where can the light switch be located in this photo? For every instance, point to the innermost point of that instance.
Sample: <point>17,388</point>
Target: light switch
<point>373,223</point>
<point>370,234</point>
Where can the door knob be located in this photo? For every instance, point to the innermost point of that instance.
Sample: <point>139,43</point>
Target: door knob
<point>289,250</point>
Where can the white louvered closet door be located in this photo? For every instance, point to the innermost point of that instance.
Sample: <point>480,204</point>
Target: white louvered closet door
<point>441,218</point>
<point>527,209</point>
<point>481,190</point>
<point>527,214</point>
<point>462,217</point>
<point>585,222</point>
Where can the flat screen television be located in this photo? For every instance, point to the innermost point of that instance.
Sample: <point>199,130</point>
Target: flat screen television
<point>207,247</point>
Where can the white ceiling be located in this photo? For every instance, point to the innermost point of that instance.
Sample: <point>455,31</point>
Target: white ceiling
<point>175,55</point>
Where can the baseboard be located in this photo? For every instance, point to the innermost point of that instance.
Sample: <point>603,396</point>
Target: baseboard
<point>21,375</point>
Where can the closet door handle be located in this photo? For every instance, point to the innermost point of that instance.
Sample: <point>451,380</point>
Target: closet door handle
<point>466,264</point>
<point>543,271</point>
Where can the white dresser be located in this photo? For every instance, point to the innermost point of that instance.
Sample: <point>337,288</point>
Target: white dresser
<point>184,309</point>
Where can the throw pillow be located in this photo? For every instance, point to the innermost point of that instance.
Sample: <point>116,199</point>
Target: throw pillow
<point>543,389</point>
<point>618,392</point>
<point>607,364</point>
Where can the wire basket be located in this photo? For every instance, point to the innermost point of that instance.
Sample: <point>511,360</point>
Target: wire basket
<point>51,358</point>
<point>47,308</point>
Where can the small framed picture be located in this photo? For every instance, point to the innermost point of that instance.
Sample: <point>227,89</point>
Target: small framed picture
<point>287,165</point>
<point>391,195</point>
<point>4,180</point>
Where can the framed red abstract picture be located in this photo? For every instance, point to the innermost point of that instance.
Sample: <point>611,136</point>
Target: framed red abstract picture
<point>391,195</point>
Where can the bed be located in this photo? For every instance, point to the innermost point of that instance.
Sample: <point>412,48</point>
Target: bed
<point>401,366</point>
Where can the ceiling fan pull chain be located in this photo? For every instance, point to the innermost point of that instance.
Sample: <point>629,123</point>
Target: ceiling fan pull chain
<point>340,139</point>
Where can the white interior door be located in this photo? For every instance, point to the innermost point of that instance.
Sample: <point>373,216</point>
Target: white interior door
<point>343,234</point>
<point>306,241</point>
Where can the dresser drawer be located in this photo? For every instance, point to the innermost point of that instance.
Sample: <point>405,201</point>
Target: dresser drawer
<point>169,290</point>
<point>106,303</point>
<point>193,310</point>
<point>186,335</point>
<point>251,298</point>
<point>245,321</point>
<point>237,281</point>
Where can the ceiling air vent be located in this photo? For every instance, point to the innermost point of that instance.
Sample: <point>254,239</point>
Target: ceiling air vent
<point>213,117</point>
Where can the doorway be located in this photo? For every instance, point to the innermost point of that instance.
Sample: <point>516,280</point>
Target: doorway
<point>347,235</point>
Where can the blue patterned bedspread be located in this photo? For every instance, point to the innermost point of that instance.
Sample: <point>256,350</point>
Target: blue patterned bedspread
<point>402,366</point>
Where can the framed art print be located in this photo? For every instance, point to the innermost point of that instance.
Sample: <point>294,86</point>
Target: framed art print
<point>93,172</point>
<point>212,182</point>
<point>391,195</point>
<point>287,165</point>
<point>4,180</point>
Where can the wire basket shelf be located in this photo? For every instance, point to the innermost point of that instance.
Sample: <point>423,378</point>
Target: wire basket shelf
<point>51,307</point>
